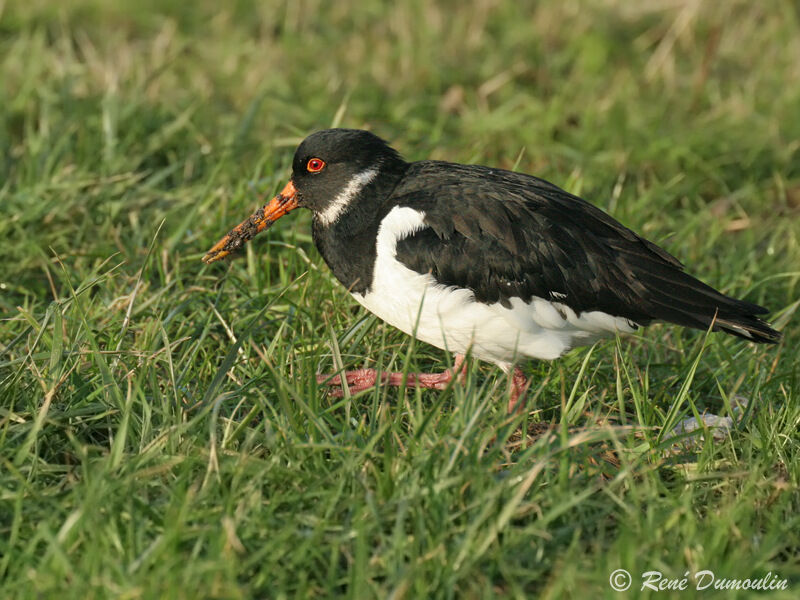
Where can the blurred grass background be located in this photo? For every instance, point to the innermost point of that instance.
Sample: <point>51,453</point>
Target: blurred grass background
<point>161,434</point>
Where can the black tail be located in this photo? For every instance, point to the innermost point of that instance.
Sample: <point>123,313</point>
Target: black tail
<point>679,298</point>
<point>750,328</point>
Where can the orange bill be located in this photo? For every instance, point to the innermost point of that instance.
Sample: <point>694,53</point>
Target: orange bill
<point>260,220</point>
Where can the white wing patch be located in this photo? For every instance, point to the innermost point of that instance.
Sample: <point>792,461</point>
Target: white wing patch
<point>343,199</point>
<point>450,318</point>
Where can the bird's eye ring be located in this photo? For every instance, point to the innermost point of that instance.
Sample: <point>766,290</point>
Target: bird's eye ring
<point>315,165</point>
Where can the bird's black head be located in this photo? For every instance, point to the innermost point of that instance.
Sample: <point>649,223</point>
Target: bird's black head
<point>332,168</point>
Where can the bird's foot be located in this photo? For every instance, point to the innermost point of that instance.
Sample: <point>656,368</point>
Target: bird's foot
<point>364,379</point>
<point>519,387</point>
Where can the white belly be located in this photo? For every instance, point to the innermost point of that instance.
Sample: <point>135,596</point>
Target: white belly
<point>450,318</point>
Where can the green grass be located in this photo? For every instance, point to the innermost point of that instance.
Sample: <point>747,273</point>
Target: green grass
<point>161,432</point>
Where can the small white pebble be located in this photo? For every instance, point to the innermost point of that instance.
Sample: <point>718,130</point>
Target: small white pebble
<point>718,426</point>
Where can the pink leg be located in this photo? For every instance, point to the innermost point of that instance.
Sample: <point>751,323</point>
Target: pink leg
<point>519,385</point>
<point>364,379</point>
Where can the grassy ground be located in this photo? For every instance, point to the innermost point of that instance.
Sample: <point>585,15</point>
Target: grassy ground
<point>161,433</point>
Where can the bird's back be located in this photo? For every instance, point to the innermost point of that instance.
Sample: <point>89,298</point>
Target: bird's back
<point>531,239</point>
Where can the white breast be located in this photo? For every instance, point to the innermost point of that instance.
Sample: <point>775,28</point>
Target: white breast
<point>450,318</point>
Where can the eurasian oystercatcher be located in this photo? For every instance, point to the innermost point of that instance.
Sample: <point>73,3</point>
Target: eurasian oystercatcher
<point>467,257</point>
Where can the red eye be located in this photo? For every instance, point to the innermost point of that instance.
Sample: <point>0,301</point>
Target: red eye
<point>315,165</point>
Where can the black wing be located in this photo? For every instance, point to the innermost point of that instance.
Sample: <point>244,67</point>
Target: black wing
<point>505,235</point>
